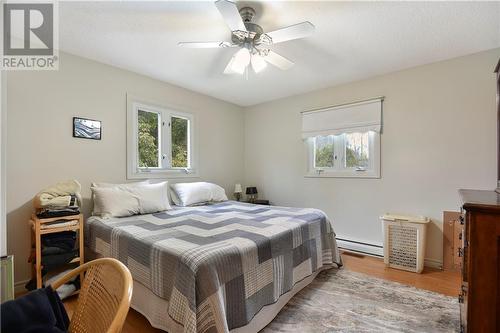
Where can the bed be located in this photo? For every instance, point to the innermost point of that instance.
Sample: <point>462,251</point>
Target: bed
<point>223,267</point>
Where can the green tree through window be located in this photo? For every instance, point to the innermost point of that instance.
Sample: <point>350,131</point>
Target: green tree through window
<point>148,139</point>
<point>324,152</point>
<point>179,142</point>
<point>357,149</point>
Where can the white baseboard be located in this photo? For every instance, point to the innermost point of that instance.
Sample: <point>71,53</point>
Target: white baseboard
<point>376,250</point>
<point>19,286</point>
<point>433,263</point>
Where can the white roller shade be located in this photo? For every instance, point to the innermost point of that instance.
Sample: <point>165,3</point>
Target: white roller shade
<point>356,117</point>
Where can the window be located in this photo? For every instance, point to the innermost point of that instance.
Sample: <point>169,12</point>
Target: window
<point>344,155</point>
<point>344,141</point>
<point>160,141</point>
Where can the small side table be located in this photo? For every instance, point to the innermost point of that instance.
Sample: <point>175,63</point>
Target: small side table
<point>260,202</point>
<point>36,240</point>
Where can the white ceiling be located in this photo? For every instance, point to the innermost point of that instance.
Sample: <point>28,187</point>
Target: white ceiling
<point>353,40</point>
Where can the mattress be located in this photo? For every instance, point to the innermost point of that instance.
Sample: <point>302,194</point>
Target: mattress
<point>216,266</point>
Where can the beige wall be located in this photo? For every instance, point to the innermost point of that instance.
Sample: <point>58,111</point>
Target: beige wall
<point>439,135</point>
<point>42,151</point>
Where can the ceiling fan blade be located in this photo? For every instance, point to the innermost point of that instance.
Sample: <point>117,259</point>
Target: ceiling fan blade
<point>296,31</point>
<point>231,15</point>
<point>205,45</point>
<point>277,60</point>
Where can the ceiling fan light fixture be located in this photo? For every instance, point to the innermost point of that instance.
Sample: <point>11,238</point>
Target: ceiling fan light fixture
<point>252,39</point>
<point>240,61</point>
<point>258,63</point>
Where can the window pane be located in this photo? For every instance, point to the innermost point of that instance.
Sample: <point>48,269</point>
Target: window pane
<point>357,147</point>
<point>179,142</point>
<point>323,152</point>
<point>148,139</point>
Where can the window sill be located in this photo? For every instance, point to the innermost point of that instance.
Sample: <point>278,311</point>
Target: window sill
<point>343,174</point>
<point>172,173</point>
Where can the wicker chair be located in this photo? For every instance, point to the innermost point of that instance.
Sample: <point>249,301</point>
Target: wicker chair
<point>104,297</point>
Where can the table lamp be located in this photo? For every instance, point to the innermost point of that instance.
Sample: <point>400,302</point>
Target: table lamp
<point>251,193</point>
<point>237,192</point>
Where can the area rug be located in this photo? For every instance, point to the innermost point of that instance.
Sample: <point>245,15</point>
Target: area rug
<point>339,300</point>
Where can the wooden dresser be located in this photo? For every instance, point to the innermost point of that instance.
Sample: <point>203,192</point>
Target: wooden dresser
<point>480,295</point>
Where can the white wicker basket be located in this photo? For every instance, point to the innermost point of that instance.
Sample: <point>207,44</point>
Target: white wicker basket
<point>404,241</point>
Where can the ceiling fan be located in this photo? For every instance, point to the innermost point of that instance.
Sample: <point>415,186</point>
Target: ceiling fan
<point>253,42</point>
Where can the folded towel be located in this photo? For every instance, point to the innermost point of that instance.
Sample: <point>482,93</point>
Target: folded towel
<point>39,311</point>
<point>66,289</point>
<point>59,224</point>
<point>59,195</point>
<point>44,200</point>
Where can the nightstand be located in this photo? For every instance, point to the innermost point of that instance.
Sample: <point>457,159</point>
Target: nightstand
<point>260,202</point>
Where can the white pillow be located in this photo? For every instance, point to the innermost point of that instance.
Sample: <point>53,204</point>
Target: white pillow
<point>187,194</point>
<point>97,211</point>
<point>119,201</point>
<point>115,202</point>
<point>152,197</point>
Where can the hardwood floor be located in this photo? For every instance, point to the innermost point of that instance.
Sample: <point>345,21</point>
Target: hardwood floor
<point>444,282</point>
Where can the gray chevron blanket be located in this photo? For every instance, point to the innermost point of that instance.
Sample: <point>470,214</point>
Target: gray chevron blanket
<point>218,265</point>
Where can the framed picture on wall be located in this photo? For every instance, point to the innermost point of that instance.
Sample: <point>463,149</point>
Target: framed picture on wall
<point>86,128</point>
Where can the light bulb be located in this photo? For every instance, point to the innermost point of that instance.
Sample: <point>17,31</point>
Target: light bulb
<point>258,63</point>
<point>240,61</point>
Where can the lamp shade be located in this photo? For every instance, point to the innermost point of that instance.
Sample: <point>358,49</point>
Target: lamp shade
<point>237,188</point>
<point>251,190</point>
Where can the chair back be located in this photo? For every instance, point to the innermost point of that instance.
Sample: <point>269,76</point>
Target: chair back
<point>104,298</point>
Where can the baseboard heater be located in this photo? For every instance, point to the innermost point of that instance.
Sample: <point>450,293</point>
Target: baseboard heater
<point>360,247</point>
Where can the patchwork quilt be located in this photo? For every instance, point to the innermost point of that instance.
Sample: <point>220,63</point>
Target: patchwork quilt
<point>218,265</point>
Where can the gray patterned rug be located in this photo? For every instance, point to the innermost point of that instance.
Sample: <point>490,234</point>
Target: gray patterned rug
<point>345,301</point>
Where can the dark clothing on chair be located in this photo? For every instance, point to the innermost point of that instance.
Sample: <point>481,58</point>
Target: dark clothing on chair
<point>40,311</point>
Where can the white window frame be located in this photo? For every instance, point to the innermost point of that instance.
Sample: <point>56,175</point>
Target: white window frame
<point>135,104</point>
<point>338,171</point>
